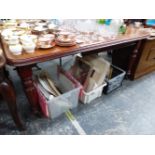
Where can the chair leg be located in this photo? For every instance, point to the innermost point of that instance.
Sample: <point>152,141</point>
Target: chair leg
<point>9,96</point>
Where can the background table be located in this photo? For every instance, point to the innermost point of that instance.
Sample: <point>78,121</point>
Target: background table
<point>25,62</point>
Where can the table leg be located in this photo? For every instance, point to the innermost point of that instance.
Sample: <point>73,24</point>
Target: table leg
<point>25,74</point>
<point>133,60</point>
<point>7,92</point>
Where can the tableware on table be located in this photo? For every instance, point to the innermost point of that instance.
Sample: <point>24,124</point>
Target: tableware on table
<point>28,39</point>
<point>51,26</point>
<point>79,38</point>
<point>16,49</point>
<point>10,23</point>
<point>65,39</point>
<point>29,48</point>
<point>34,38</point>
<point>47,46</point>
<point>54,31</point>
<point>65,44</point>
<point>12,40</point>
<point>130,30</point>
<point>41,24</point>
<point>38,30</point>
<point>24,25</point>
<point>137,24</point>
<point>66,36</point>
<point>18,32</point>
<point>46,41</point>
<point>50,36</point>
<point>6,33</point>
<point>64,33</point>
<point>153,34</point>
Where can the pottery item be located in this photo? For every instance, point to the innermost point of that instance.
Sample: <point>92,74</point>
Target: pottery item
<point>24,25</point>
<point>38,30</point>
<point>45,41</point>
<point>65,44</point>
<point>29,48</point>
<point>13,40</point>
<point>25,39</point>
<point>65,39</point>
<point>16,49</point>
<point>10,23</point>
<point>51,26</point>
<point>6,33</point>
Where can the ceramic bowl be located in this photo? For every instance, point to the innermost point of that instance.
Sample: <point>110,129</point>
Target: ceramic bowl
<point>6,33</point>
<point>34,38</point>
<point>45,40</point>
<point>64,33</point>
<point>24,25</point>
<point>52,26</point>
<point>16,49</point>
<point>25,39</point>
<point>13,40</point>
<point>41,24</point>
<point>48,36</point>
<point>39,30</point>
<point>137,24</point>
<point>29,48</point>
<point>18,32</point>
<point>66,37</point>
<point>10,23</point>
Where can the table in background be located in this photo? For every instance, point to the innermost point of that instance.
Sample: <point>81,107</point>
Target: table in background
<point>25,62</point>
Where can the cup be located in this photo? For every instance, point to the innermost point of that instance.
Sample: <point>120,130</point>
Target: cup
<point>16,49</point>
<point>29,48</point>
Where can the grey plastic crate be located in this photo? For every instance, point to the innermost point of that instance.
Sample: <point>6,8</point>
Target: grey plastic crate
<point>116,81</point>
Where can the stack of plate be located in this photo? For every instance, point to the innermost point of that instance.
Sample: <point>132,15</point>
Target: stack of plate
<point>65,40</point>
<point>153,33</point>
<point>46,41</point>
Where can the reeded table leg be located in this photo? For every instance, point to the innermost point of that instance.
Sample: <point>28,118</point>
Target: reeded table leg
<point>132,61</point>
<point>7,92</point>
<point>25,74</point>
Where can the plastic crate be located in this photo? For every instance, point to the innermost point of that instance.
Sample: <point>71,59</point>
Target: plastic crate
<point>63,103</point>
<point>58,105</point>
<point>115,81</point>
<point>85,97</point>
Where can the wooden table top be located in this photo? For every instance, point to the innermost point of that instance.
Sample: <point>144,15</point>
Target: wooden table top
<point>42,55</point>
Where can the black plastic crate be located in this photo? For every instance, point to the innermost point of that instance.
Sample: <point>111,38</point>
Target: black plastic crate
<point>116,79</point>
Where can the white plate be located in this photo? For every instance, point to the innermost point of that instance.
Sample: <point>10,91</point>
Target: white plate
<point>47,46</point>
<point>65,44</point>
<point>153,34</point>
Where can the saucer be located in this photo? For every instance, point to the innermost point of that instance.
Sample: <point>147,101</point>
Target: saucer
<point>47,46</point>
<point>65,44</point>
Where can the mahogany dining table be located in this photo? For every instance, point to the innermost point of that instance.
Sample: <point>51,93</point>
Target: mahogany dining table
<point>25,62</point>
